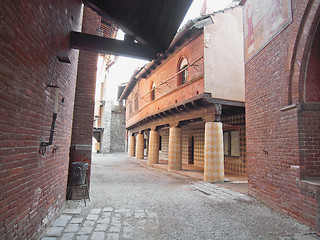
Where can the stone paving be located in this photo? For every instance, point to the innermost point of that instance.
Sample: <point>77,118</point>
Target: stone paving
<point>134,201</point>
<point>219,194</point>
<point>113,224</point>
<point>101,223</point>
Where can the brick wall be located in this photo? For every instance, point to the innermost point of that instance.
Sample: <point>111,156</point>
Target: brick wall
<point>282,132</point>
<point>82,126</point>
<point>167,94</point>
<point>33,186</point>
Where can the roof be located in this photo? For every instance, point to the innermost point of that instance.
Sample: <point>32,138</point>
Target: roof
<point>150,22</point>
<point>186,32</point>
<point>182,35</point>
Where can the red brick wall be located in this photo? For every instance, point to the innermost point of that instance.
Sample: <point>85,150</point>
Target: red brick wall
<point>282,133</point>
<point>313,84</point>
<point>82,126</point>
<point>168,94</point>
<point>32,186</point>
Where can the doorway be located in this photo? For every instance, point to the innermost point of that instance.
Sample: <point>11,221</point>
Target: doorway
<point>191,150</point>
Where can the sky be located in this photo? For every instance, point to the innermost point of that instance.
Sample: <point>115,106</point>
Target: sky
<point>121,72</point>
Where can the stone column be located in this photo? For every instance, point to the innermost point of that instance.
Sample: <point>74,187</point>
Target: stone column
<point>153,153</point>
<point>131,146</point>
<point>140,146</point>
<point>213,153</point>
<point>175,149</point>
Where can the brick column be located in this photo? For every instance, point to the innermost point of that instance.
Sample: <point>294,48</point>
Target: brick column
<point>83,113</point>
<point>140,146</point>
<point>153,153</point>
<point>213,153</point>
<point>175,149</point>
<point>132,146</point>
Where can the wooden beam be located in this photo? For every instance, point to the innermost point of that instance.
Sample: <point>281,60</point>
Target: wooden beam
<point>151,22</point>
<point>88,42</point>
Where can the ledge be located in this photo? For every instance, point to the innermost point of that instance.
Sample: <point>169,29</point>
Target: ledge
<point>311,186</point>
<point>302,106</point>
<point>289,107</point>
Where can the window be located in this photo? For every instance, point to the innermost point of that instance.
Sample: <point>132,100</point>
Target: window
<point>231,143</point>
<point>153,91</point>
<point>130,107</point>
<point>183,76</point>
<point>136,103</point>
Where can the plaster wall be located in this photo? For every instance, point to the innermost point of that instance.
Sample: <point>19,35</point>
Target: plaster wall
<point>224,56</point>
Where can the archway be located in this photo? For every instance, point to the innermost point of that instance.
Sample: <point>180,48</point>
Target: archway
<point>309,114</point>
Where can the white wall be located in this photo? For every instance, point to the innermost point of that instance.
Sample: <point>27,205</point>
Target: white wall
<point>223,56</point>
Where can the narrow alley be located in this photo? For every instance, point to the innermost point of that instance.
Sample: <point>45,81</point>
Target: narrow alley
<point>132,201</point>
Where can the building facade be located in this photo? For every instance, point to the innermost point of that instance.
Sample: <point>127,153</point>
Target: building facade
<point>189,102</point>
<point>282,105</point>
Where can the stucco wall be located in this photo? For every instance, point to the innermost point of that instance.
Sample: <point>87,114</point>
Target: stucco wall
<point>223,56</point>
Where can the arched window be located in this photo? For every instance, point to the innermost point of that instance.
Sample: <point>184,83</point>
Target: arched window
<point>153,91</point>
<point>183,76</point>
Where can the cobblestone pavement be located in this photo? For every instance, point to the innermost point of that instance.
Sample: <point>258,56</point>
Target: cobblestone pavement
<point>133,201</point>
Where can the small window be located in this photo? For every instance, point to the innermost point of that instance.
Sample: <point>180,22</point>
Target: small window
<point>153,91</point>
<point>130,107</point>
<point>231,143</point>
<point>136,103</point>
<point>183,76</point>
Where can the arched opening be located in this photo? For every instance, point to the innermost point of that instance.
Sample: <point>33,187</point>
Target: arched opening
<point>182,68</point>
<point>309,114</point>
<point>153,91</point>
<point>312,81</point>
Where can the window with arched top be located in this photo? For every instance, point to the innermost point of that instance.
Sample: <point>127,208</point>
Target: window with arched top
<point>183,75</point>
<point>153,91</point>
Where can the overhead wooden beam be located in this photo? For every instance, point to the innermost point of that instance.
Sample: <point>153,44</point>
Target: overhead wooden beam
<point>151,22</point>
<point>88,42</point>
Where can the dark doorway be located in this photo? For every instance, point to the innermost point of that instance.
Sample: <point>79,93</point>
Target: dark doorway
<point>191,150</point>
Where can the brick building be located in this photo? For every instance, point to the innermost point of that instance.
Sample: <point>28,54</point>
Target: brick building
<point>175,104</point>
<point>38,41</point>
<point>282,105</point>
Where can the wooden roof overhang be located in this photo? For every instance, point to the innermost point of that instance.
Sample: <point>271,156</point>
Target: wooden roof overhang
<point>150,26</point>
<point>199,108</point>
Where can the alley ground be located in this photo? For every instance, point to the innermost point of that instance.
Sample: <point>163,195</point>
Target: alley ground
<point>130,200</point>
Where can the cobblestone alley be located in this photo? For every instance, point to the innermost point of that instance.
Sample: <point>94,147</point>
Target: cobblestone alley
<point>133,201</point>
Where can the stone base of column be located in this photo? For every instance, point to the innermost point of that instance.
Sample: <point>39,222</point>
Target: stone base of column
<point>213,152</point>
